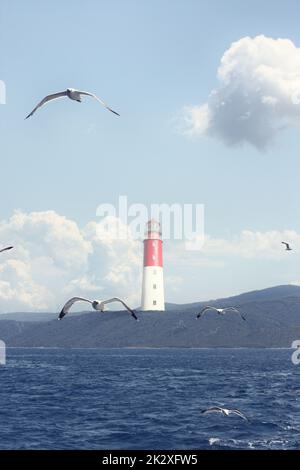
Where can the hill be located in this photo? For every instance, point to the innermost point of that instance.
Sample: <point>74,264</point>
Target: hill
<point>273,320</point>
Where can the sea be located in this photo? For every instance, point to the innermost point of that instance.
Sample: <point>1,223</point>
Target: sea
<point>149,399</point>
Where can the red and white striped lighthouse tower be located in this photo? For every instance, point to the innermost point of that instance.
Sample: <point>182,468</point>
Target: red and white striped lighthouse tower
<point>153,277</point>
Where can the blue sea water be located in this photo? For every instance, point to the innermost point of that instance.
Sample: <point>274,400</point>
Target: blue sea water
<point>148,399</point>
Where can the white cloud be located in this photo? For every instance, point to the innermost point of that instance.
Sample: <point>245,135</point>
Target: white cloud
<point>53,259</point>
<point>248,244</point>
<point>295,283</point>
<point>258,94</point>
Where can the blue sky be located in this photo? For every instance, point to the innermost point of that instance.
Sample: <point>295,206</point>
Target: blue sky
<point>147,60</point>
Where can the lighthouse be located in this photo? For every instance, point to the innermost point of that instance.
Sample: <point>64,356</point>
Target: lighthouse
<point>153,279</point>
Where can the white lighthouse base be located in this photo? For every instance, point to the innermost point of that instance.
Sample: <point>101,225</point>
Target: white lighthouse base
<point>153,288</point>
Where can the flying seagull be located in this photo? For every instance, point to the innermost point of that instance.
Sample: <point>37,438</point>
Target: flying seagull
<point>96,304</point>
<point>224,412</point>
<point>73,95</point>
<point>287,246</point>
<point>7,248</point>
<point>220,311</point>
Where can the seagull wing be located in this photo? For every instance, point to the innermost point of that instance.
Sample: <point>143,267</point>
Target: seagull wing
<point>213,409</point>
<point>238,413</point>
<point>98,99</point>
<point>234,309</point>
<point>208,307</point>
<point>7,248</point>
<point>45,100</point>
<point>116,299</point>
<point>69,304</point>
<point>286,244</point>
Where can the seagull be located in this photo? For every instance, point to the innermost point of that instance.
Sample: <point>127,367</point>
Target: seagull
<point>96,304</point>
<point>7,248</point>
<point>220,311</point>
<point>224,412</point>
<point>73,95</point>
<point>288,248</point>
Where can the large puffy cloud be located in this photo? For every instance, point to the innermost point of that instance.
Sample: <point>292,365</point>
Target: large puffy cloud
<point>258,94</point>
<point>53,259</point>
<point>117,258</point>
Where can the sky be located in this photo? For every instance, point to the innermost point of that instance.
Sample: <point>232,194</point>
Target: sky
<point>207,96</point>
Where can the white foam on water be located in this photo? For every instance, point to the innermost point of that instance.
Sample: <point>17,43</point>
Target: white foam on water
<point>213,440</point>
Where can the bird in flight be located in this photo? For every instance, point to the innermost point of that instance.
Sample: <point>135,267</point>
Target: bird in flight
<point>224,412</point>
<point>7,248</point>
<point>287,246</point>
<point>73,95</point>
<point>220,311</point>
<point>96,304</point>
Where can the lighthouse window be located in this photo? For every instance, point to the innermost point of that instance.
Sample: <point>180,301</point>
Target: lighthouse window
<point>153,257</point>
<point>154,286</point>
<point>154,302</point>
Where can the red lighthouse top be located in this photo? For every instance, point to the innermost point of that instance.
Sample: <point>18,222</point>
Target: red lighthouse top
<point>153,244</point>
